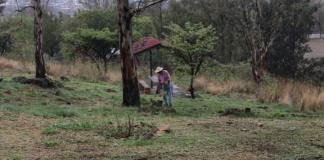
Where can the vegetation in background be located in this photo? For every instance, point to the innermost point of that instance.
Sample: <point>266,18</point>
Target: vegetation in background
<point>193,44</point>
<point>286,55</point>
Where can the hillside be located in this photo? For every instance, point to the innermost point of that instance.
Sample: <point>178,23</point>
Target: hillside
<point>84,120</point>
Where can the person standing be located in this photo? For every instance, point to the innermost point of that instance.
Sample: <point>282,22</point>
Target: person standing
<point>164,83</point>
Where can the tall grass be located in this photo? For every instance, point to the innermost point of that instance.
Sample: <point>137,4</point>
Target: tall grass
<point>81,70</point>
<point>305,96</point>
<point>300,94</point>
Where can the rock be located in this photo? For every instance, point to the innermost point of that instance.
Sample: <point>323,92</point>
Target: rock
<point>260,124</point>
<point>110,90</point>
<point>63,78</point>
<point>263,107</point>
<point>7,92</point>
<point>244,130</point>
<point>163,129</point>
<point>41,82</point>
<point>236,111</point>
<point>229,122</point>
<point>20,79</point>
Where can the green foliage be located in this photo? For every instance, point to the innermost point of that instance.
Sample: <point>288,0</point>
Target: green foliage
<point>53,112</point>
<point>98,45</point>
<point>97,19</point>
<point>223,15</point>
<point>19,34</point>
<point>288,50</point>
<point>76,125</point>
<point>192,43</point>
<point>52,34</point>
<point>50,131</point>
<point>192,40</point>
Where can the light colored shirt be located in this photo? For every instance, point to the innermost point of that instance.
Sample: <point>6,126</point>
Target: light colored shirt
<point>164,77</point>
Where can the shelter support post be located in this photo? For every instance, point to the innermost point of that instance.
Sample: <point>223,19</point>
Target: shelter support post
<point>151,67</point>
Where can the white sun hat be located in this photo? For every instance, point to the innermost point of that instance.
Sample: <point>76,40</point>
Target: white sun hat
<point>158,69</point>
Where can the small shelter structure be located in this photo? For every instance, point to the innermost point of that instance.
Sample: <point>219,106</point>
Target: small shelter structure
<point>143,45</point>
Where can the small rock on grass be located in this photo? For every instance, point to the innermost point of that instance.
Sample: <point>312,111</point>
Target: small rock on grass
<point>244,130</point>
<point>260,124</point>
<point>64,78</point>
<point>163,129</point>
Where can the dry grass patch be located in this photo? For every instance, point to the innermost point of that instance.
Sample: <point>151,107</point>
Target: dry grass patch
<point>303,95</point>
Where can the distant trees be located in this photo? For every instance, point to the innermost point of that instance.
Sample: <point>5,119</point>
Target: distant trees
<point>259,27</point>
<point>286,55</point>
<point>319,16</point>
<point>223,15</point>
<point>96,35</point>
<point>259,31</point>
<point>52,34</point>
<point>99,46</point>
<point>193,44</point>
<point>97,4</point>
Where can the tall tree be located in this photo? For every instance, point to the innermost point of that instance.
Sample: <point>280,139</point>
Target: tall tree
<point>37,7</point>
<point>38,35</point>
<point>131,94</point>
<point>259,28</point>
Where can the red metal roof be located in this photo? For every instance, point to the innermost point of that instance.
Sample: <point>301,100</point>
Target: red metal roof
<point>145,44</point>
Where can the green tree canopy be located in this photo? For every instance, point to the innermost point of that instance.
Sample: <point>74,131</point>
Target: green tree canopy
<point>192,43</point>
<point>98,45</point>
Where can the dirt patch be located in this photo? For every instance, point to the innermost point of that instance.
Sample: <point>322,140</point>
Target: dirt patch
<point>41,82</point>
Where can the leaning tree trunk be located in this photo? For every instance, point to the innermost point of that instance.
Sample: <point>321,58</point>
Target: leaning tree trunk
<point>131,94</point>
<point>191,86</point>
<point>38,34</point>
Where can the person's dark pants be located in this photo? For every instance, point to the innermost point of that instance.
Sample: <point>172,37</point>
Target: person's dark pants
<point>167,95</point>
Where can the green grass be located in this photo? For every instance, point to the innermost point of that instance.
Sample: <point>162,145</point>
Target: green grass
<point>68,120</point>
<point>50,131</point>
<point>50,143</point>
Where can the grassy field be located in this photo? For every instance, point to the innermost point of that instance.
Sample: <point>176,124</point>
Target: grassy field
<point>78,120</point>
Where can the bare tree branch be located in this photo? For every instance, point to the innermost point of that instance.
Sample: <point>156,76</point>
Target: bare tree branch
<point>141,8</point>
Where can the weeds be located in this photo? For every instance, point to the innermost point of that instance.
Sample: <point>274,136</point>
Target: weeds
<point>77,125</point>
<point>50,131</point>
<point>50,143</point>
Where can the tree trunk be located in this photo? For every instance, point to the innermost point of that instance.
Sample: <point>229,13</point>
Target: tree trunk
<point>131,94</point>
<point>191,87</point>
<point>256,67</point>
<point>38,34</point>
<point>105,65</point>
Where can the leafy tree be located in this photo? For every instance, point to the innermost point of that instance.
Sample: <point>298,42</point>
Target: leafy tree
<point>259,27</point>
<point>15,37</point>
<point>85,40</point>
<point>193,43</point>
<point>288,49</point>
<point>99,46</point>
<point>223,15</point>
